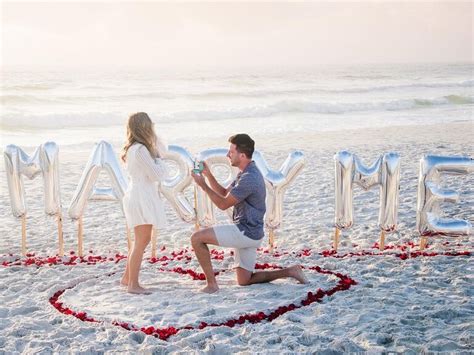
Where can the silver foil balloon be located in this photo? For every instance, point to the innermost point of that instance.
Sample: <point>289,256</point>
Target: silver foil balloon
<point>104,194</point>
<point>431,195</point>
<point>173,187</point>
<point>389,192</point>
<point>45,160</point>
<point>384,172</point>
<point>102,157</point>
<point>344,172</point>
<point>215,158</point>
<point>277,181</point>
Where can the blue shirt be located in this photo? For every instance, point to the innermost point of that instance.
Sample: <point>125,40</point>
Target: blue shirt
<point>249,189</point>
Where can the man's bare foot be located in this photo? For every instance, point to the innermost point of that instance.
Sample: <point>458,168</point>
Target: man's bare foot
<point>210,289</point>
<point>297,273</point>
<point>138,290</point>
<point>123,282</point>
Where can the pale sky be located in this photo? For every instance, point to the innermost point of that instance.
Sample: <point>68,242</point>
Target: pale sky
<point>240,34</point>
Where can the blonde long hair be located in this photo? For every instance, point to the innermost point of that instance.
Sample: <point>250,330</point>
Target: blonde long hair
<point>140,130</point>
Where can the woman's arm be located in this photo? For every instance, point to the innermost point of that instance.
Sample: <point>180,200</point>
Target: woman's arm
<point>155,169</point>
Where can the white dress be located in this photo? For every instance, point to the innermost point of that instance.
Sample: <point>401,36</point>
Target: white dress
<point>142,203</point>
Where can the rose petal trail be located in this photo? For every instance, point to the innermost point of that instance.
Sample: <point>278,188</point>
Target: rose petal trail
<point>185,255</point>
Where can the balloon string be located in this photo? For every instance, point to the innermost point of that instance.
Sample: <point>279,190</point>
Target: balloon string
<point>80,250</point>
<point>153,242</point>
<point>382,240</point>
<point>196,223</point>
<point>271,239</point>
<point>60,234</point>
<point>23,235</point>
<point>336,239</point>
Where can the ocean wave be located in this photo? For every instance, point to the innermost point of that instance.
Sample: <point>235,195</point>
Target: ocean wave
<point>27,99</point>
<point>325,90</point>
<point>32,87</point>
<point>302,106</point>
<point>31,98</point>
<point>100,119</point>
<point>61,120</point>
<point>421,85</point>
<point>78,99</point>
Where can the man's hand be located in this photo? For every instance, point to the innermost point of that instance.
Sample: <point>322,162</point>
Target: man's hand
<point>206,171</point>
<point>222,202</point>
<point>199,179</point>
<point>212,182</point>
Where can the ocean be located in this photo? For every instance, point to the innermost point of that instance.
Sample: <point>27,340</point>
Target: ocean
<point>78,108</point>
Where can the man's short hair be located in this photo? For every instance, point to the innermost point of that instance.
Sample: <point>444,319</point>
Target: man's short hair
<point>243,143</point>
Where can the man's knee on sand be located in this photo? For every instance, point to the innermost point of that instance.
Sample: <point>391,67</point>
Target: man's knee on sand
<point>243,276</point>
<point>243,282</point>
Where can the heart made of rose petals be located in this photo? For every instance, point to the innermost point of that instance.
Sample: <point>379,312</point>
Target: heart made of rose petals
<point>229,294</point>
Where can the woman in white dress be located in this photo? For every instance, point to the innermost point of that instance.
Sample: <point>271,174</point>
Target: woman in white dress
<point>142,204</point>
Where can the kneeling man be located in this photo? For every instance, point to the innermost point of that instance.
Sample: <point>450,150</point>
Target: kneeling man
<point>247,195</point>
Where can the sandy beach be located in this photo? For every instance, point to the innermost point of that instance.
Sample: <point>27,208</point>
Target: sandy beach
<point>414,305</point>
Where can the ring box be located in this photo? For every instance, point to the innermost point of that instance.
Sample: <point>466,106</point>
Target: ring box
<point>198,167</point>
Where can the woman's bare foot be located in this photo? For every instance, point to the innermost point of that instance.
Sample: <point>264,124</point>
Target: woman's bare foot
<point>210,289</point>
<point>125,279</point>
<point>297,273</point>
<point>138,290</point>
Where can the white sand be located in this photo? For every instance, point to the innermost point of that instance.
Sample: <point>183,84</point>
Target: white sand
<point>421,304</point>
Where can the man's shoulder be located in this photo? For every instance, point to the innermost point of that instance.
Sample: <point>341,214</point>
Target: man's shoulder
<point>253,176</point>
<point>253,171</point>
